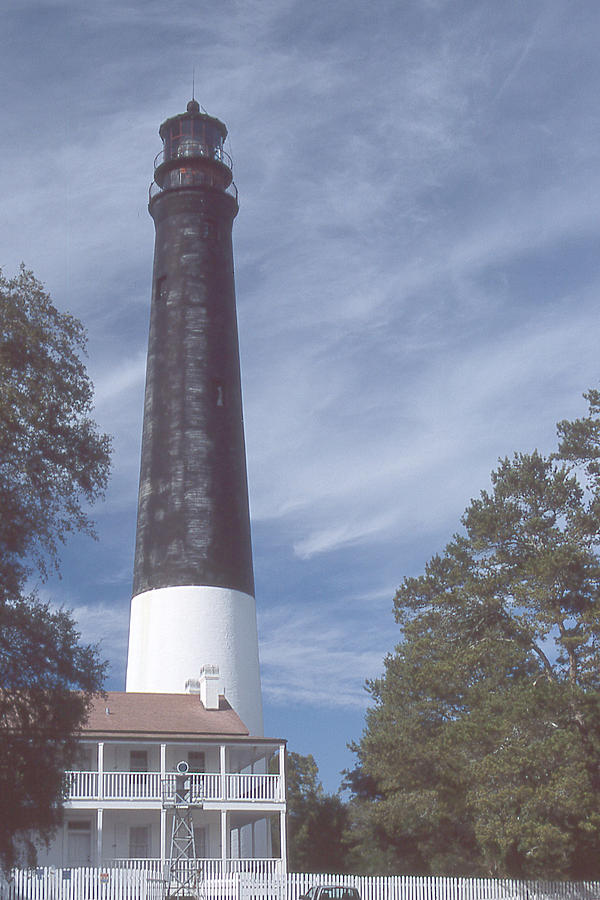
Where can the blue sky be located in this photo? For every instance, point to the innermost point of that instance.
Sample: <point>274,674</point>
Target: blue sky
<point>417,270</point>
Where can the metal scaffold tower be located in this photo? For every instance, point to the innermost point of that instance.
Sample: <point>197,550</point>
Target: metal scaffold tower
<point>182,874</point>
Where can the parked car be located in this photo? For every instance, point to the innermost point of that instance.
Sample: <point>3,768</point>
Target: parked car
<point>331,892</point>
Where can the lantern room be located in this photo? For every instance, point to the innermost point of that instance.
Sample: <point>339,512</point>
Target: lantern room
<point>192,154</point>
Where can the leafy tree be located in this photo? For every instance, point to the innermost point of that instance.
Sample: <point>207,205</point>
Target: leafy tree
<point>482,750</point>
<point>41,664</point>
<point>316,820</point>
<point>51,455</point>
<point>53,462</point>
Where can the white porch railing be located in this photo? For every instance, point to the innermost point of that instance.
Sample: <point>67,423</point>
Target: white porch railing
<point>253,787</point>
<point>148,786</point>
<point>82,784</point>
<point>208,868</point>
<point>141,785</point>
<point>137,865</point>
<point>198,786</point>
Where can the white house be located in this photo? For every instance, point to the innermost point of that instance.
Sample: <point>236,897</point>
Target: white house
<point>122,800</point>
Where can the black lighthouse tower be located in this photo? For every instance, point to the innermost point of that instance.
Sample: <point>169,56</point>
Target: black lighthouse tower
<point>193,594</point>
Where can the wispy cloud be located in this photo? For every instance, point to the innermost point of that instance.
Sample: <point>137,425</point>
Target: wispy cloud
<point>416,268</point>
<point>98,623</point>
<point>309,657</point>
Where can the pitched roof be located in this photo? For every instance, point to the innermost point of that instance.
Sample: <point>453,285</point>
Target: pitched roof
<point>121,713</point>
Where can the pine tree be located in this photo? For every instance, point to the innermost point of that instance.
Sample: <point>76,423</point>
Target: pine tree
<point>481,753</point>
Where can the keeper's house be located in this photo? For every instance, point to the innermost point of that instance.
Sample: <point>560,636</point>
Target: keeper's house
<point>121,801</point>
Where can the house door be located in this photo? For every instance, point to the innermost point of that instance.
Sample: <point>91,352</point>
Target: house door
<point>200,841</point>
<point>79,843</point>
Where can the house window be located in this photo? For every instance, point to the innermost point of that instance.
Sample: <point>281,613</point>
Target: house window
<point>138,761</point>
<point>200,841</point>
<point>139,842</point>
<point>196,761</point>
<point>84,759</point>
<point>79,843</point>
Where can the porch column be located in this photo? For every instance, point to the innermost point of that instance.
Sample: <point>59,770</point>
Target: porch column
<point>255,793</point>
<point>100,770</point>
<point>163,812</point>
<point>222,770</point>
<point>163,837</point>
<point>282,795</point>
<point>224,817</point>
<point>224,836</point>
<point>281,786</point>
<point>99,818</point>
<point>163,766</point>
<point>283,839</point>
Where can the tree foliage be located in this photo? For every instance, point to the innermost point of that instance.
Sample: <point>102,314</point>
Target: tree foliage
<point>48,679</point>
<point>53,460</point>
<point>316,820</point>
<point>53,463</point>
<point>481,753</point>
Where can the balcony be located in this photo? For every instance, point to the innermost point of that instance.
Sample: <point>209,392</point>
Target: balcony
<point>191,179</point>
<point>191,148</point>
<point>191,164</point>
<point>200,788</point>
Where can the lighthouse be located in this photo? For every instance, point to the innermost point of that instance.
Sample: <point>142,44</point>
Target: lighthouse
<point>193,606</point>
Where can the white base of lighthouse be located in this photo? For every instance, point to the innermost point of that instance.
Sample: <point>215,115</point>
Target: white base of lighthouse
<point>174,631</point>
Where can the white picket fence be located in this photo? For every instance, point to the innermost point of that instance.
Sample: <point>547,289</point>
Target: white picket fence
<point>139,884</point>
<point>77,884</point>
<point>131,884</point>
<point>414,887</point>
